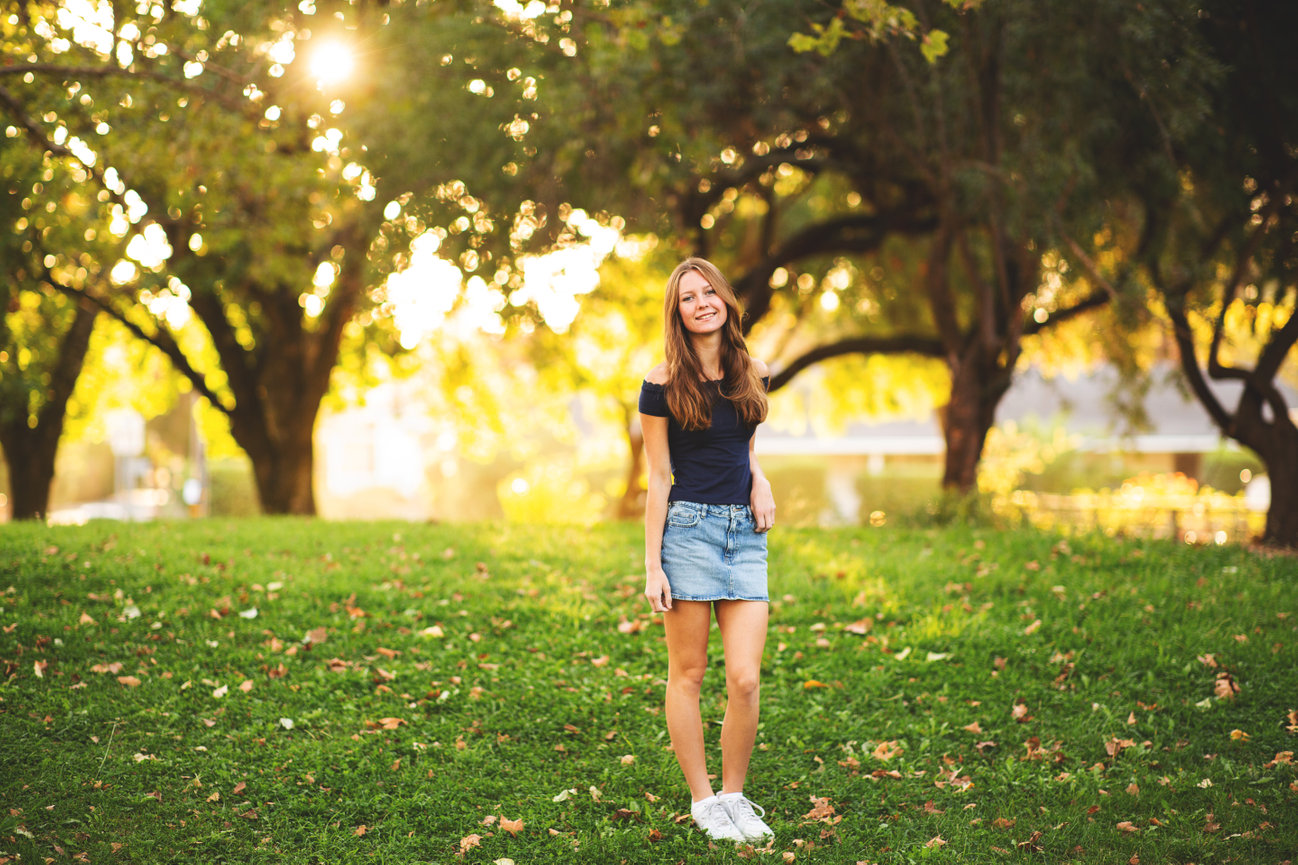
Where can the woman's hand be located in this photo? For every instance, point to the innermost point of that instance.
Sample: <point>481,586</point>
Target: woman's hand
<point>763,504</point>
<point>658,590</point>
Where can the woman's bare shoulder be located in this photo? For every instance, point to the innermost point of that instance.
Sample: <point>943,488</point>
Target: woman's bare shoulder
<point>657,375</point>
<point>761,367</point>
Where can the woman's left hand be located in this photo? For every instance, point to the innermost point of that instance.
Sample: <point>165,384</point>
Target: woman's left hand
<point>763,505</point>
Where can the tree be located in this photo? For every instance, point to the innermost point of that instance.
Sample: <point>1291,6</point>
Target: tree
<point>1225,255</point>
<point>916,199</point>
<point>44,336</point>
<point>268,194</point>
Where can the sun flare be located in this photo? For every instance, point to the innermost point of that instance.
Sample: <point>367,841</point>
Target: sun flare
<point>332,62</point>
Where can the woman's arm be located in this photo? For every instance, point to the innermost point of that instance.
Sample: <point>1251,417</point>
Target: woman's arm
<point>658,457</point>
<point>760,499</point>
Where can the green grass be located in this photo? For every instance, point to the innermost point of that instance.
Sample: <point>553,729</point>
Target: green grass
<point>512,694</point>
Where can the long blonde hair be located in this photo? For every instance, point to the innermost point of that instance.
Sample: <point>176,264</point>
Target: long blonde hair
<point>740,382</point>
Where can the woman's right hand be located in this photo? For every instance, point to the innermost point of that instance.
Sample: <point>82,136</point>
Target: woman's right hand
<point>658,590</point>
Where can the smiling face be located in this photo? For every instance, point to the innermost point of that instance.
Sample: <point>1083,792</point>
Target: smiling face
<point>701,309</point>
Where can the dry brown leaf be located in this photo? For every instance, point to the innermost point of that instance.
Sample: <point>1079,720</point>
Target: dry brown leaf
<point>129,681</point>
<point>1002,823</point>
<point>936,841</point>
<point>1225,687</point>
<point>1127,826</point>
<point>245,685</point>
<point>513,827</point>
<point>1281,757</point>
<point>1032,628</point>
<point>1019,712</point>
<point>468,842</point>
<point>315,636</point>
<point>1133,789</point>
<point>238,788</point>
<point>361,830</point>
<point>813,683</point>
<point>821,809</point>
<point>885,751</point>
<point>974,728</point>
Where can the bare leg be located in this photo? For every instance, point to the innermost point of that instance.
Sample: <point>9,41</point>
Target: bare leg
<point>743,638</point>
<point>687,624</point>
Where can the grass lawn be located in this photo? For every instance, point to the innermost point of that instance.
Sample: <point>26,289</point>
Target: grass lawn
<point>281,690</point>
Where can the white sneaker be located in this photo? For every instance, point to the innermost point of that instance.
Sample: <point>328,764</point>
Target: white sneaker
<point>747,817</point>
<point>713,818</point>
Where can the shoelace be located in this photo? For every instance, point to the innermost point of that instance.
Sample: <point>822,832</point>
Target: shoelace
<point>754,809</point>
<point>710,815</point>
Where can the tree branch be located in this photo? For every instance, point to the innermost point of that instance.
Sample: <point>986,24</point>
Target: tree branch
<point>902,344</point>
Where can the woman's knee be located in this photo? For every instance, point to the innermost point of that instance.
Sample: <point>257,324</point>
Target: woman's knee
<point>687,676</point>
<point>743,684</point>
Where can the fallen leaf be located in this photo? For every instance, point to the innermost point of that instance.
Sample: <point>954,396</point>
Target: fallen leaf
<point>1127,826</point>
<point>129,681</point>
<point>468,842</point>
<point>245,685</point>
<point>1019,712</point>
<point>885,751</point>
<point>973,728</point>
<point>115,667</point>
<point>813,683</point>
<point>1281,757</point>
<point>628,759</point>
<point>821,809</point>
<point>1002,823</point>
<point>238,788</point>
<point>221,691</point>
<point>86,619</point>
<point>316,636</point>
<point>936,841</point>
<point>1133,789</point>
<point>1225,688</point>
<point>513,827</point>
<point>361,830</point>
<point>39,667</point>
<point>1032,628</point>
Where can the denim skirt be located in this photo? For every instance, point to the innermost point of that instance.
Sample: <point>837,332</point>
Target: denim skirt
<point>713,553</point>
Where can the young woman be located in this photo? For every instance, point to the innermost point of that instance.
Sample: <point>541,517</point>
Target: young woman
<point>708,510</point>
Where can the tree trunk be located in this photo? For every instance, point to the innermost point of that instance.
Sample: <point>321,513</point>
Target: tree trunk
<point>977,386</point>
<point>30,451</point>
<point>1282,517</point>
<point>276,432</point>
<point>30,457</point>
<point>284,475</point>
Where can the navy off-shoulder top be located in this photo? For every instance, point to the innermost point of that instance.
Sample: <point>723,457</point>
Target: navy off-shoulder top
<point>709,466</point>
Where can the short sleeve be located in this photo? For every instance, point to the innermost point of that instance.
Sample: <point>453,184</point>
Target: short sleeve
<point>653,400</point>
<point>766,383</point>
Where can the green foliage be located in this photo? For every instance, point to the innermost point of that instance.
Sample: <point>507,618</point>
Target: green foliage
<point>291,691</point>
